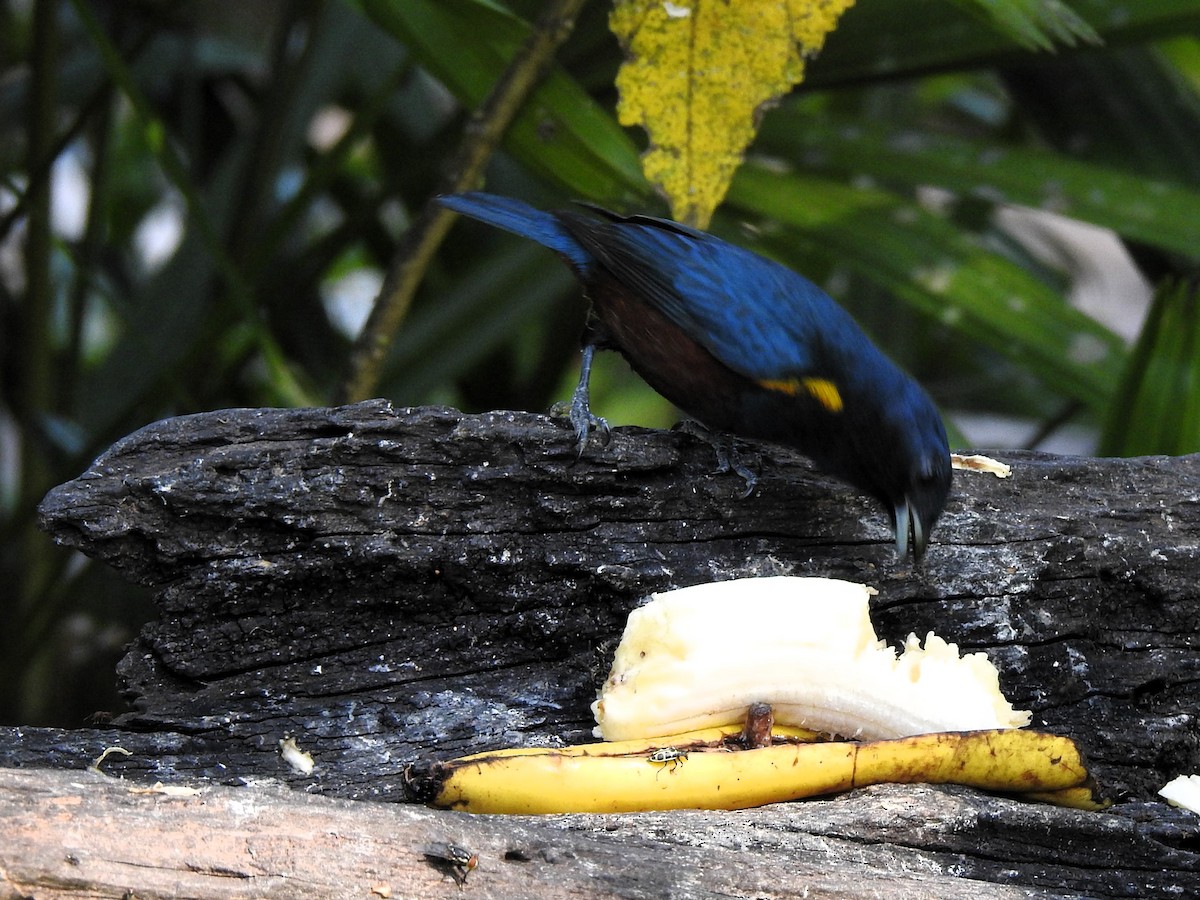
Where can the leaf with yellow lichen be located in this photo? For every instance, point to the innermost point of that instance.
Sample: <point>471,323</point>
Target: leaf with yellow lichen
<point>697,75</point>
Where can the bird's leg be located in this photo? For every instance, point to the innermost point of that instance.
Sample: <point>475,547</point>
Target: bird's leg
<point>580,414</point>
<point>729,457</point>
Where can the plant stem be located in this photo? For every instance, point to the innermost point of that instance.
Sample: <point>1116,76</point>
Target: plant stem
<point>36,349</point>
<point>481,138</point>
<point>173,167</point>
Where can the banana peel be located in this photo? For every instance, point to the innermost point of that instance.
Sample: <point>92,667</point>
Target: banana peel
<point>723,737</point>
<point>796,660</point>
<point>708,773</point>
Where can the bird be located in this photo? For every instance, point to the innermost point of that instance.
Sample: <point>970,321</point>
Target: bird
<point>747,347</point>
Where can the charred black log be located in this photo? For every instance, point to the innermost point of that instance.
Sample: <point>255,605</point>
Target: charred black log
<point>387,585</point>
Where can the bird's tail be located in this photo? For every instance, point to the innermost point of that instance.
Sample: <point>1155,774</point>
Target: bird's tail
<point>521,219</point>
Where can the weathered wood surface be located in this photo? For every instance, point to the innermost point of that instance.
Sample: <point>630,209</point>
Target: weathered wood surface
<point>81,833</point>
<point>393,584</point>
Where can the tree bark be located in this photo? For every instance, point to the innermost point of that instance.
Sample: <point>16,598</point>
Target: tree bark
<point>386,585</point>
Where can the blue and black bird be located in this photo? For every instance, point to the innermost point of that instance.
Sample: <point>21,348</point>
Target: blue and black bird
<point>745,346</point>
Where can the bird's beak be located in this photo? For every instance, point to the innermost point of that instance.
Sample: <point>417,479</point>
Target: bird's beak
<point>901,517</point>
<point>909,521</point>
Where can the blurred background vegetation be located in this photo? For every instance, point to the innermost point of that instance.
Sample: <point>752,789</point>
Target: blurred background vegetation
<point>199,200</point>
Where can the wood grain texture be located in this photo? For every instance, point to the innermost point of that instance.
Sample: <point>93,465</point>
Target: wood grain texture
<point>84,834</point>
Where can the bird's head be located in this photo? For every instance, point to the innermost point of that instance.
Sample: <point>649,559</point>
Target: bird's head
<point>887,439</point>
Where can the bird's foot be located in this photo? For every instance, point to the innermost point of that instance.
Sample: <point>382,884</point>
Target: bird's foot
<point>580,412</point>
<point>583,421</point>
<point>729,459</point>
<point>729,456</point>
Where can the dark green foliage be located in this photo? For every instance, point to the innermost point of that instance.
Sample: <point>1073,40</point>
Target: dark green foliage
<point>1157,409</point>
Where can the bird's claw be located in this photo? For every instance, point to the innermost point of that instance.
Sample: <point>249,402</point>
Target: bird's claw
<point>583,423</point>
<point>729,459</point>
<point>580,412</point>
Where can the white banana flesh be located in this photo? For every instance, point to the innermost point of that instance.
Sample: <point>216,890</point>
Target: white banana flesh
<point>698,657</point>
<point>1183,791</point>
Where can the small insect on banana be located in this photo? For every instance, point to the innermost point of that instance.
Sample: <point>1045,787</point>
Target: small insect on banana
<point>667,757</point>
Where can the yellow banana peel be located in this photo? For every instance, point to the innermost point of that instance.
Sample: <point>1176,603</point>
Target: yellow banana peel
<point>621,776</point>
<point>1084,797</point>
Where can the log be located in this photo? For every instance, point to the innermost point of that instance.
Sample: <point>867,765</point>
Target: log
<point>387,585</point>
<point>82,833</point>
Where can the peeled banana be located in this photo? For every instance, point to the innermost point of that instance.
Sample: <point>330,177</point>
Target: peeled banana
<point>609,778</point>
<point>794,660</point>
<point>1183,791</point>
<point>699,656</point>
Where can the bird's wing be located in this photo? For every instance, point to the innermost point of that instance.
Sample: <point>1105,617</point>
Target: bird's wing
<point>756,316</point>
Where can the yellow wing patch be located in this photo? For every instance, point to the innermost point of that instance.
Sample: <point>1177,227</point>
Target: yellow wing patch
<point>822,390</point>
